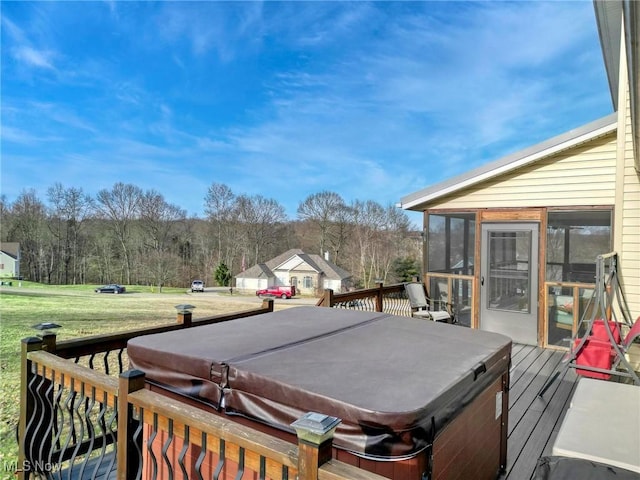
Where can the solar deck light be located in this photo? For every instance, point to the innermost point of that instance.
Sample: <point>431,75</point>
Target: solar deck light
<point>184,313</point>
<point>315,439</point>
<point>185,308</point>
<point>46,327</point>
<point>48,335</point>
<point>315,428</point>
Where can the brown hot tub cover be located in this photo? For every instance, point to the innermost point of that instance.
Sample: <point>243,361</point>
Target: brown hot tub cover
<point>392,380</point>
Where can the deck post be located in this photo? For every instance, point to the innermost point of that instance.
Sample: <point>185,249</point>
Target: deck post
<point>128,460</point>
<point>327,298</point>
<point>267,304</point>
<point>30,344</point>
<point>379,302</point>
<point>49,342</point>
<point>315,437</point>
<point>184,318</point>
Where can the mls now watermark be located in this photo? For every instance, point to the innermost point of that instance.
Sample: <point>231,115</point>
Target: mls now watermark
<point>38,466</point>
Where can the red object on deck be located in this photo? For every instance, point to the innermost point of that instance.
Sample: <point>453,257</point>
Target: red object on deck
<point>599,330</point>
<point>594,353</point>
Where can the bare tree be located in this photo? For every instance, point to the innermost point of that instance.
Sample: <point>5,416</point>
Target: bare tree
<point>120,205</point>
<point>393,240</point>
<point>367,223</point>
<point>220,208</point>
<point>219,205</point>
<point>29,229</point>
<point>340,233</point>
<point>324,209</point>
<point>261,220</point>
<point>6,218</point>
<point>70,207</point>
<point>160,221</point>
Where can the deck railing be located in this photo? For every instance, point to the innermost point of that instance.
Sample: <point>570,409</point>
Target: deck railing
<point>80,421</point>
<point>107,353</point>
<point>382,298</point>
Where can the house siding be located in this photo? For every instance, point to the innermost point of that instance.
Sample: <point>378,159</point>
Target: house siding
<point>582,176</point>
<point>9,259</point>
<point>8,266</point>
<point>627,239</point>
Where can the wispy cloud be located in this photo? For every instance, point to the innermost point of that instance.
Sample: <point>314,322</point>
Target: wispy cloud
<point>23,50</point>
<point>33,57</point>
<point>14,32</point>
<point>207,27</point>
<point>16,135</point>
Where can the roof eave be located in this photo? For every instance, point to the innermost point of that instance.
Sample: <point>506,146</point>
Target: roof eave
<point>609,18</point>
<point>609,21</point>
<point>603,126</point>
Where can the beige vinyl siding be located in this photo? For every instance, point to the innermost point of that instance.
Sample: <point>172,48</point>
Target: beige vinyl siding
<point>582,176</point>
<point>628,238</point>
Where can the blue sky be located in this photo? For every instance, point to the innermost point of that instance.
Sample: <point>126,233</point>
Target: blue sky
<point>373,101</point>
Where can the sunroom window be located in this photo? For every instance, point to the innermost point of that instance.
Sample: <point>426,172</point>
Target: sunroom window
<point>450,262</point>
<point>574,240</point>
<point>451,243</point>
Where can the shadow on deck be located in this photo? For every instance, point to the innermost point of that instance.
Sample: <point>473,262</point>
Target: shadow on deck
<point>534,421</point>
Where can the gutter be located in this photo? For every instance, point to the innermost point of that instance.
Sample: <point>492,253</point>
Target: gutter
<point>632,41</point>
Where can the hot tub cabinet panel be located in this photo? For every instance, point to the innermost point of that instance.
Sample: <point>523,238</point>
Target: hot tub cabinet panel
<point>403,388</point>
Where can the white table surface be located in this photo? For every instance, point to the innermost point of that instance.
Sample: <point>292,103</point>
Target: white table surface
<point>602,424</point>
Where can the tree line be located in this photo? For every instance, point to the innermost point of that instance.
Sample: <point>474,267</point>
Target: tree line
<point>130,236</point>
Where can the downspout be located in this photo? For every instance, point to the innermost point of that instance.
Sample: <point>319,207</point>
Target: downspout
<point>632,41</point>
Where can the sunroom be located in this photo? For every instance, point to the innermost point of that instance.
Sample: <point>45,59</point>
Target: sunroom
<point>513,245</point>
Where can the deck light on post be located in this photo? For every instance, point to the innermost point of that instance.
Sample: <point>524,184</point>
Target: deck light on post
<point>315,438</point>
<point>184,313</point>
<point>48,335</point>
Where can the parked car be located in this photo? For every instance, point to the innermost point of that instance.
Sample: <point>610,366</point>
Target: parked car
<point>282,292</point>
<point>111,288</point>
<point>197,286</point>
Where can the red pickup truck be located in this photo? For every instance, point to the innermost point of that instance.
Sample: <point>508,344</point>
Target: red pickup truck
<point>282,292</point>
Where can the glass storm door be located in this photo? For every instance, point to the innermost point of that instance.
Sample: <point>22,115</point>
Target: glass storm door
<point>509,280</point>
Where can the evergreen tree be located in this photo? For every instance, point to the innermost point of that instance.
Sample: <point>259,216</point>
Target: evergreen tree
<point>222,275</point>
<point>405,269</point>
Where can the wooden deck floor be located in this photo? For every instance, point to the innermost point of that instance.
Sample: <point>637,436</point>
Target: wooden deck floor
<point>534,421</point>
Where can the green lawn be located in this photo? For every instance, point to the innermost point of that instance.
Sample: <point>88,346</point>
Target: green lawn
<point>81,312</point>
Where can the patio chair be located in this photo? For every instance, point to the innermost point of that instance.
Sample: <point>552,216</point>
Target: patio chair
<point>599,348</point>
<point>424,307</point>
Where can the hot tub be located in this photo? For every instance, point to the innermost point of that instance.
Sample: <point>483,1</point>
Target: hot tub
<point>405,389</point>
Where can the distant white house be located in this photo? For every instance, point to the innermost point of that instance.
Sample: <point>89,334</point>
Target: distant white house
<point>310,274</point>
<point>9,259</point>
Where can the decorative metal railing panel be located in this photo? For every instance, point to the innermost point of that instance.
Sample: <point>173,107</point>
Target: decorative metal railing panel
<point>395,303</point>
<point>365,304</point>
<point>389,299</point>
<point>72,431</point>
<point>111,362</point>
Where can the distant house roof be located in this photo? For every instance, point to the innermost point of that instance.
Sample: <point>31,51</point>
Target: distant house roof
<point>257,271</point>
<point>570,139</point>
<point>330,270</point>
<point>319,264</point>
<point>10,248</point>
